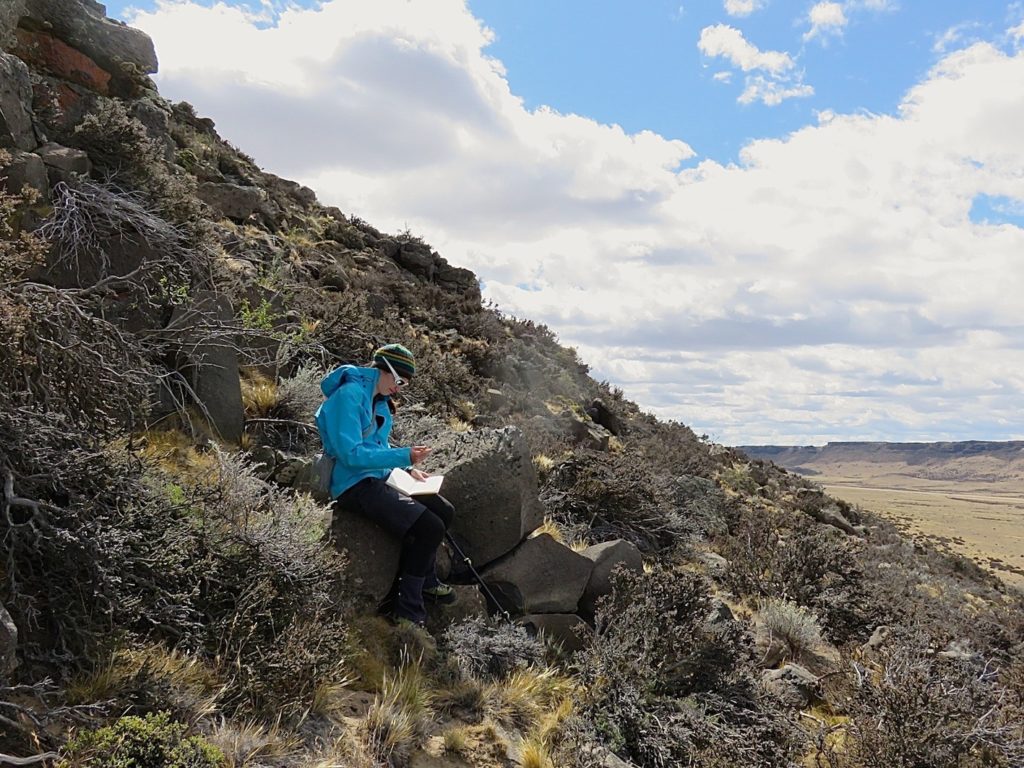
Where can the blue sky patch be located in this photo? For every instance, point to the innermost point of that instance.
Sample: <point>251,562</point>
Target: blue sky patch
<point>997,209</point>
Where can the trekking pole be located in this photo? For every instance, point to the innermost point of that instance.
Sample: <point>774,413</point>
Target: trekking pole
<point>469,564</point>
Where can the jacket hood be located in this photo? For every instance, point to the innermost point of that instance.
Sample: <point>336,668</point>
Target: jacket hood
<point>337,377</point>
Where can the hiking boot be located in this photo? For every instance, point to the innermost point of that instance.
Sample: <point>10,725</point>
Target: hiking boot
<point>440,594</point>
<point>408,603</point>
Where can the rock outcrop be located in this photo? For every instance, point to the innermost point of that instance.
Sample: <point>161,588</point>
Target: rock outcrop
<point>492,483</point>
<point>16,128</point>
<point>606,558</point>
<point>539,576</point>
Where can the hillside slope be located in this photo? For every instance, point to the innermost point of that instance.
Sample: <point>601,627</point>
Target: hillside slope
<point>171,596</point>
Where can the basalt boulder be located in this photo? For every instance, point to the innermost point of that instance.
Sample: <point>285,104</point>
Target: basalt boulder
<point>372,554</point>
<point>539,576</point>
<point>490,479</point>
<point>210,363</point>
<point>606,557</point>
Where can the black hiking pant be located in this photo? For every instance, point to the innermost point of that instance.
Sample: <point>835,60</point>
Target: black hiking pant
<point>419,522</point>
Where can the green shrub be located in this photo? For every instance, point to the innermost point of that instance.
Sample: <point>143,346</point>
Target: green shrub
<point>135,742</point>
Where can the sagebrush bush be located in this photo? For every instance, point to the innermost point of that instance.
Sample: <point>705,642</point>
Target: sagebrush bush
<point>273,592</point>
<point>122,151</point>
<point>793,624</point>
<point>141,742</point>
<point>491,651</point>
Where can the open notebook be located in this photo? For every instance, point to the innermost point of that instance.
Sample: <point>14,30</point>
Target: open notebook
<point>402,481</point>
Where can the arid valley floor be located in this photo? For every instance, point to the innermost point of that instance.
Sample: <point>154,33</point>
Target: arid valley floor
<point>968,497</point>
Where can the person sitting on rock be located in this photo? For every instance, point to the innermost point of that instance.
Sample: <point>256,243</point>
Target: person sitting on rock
<point>355,425</point>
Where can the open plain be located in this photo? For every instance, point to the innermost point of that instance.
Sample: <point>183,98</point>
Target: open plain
<point>969,497</point>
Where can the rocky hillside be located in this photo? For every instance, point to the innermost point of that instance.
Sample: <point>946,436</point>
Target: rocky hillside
<point>173,595</point>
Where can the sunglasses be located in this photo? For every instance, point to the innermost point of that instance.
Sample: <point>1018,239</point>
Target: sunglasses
<point>399,381</point>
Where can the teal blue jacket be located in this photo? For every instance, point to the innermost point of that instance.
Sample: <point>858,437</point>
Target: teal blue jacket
<point>354,430</point>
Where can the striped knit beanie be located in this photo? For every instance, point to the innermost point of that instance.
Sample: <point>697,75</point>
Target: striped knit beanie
<point>401,360</point>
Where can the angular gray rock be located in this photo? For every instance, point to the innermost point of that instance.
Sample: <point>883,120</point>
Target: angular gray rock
<point>716,564</point>
<point>490,479</point>
<point>63,162</point>
<point>606,557</point>
<point>566,629</point>
<point>372,554</point>
<point>539,576</point>
<point>10,12</point>
<point>8,643</point>
<point>16,131</point>
<point>878,638</point>
<point>83,24</point>
<point>232,201</point>
<point>769,650</point>
<point>720,614</point>
<point>793,685</point>
<point>24,169</point>
<point>211,366</point>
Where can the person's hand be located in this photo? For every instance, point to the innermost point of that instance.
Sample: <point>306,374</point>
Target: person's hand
<point>419,453</point>
<point>419,474</point>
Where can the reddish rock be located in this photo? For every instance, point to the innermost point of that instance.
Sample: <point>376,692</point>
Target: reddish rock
<point>43,50</point>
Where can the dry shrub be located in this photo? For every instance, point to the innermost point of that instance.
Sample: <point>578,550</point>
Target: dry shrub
<point>491,651</point>
<point>91,551</point>
<point>663,688</point>
<point>911,707</point>
<point>786,556</point>
<point>613,496</point>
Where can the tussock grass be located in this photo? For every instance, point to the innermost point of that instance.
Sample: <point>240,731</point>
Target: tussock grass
<point>250,743</point>
<point>260,395</point>
<point>520,700</point>
<point>455,741</point>
<point>174,452</point>
<point>536,755</point>
<point>187,686</point>
<point>550,527</point>
<point>398,719</point>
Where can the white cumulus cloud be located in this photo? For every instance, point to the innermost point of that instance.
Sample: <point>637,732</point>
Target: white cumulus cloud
<point>829,285</point>
<point>826,18</point>
<point>771,77</point>
<point>729,43</point>
<point>743,7</point>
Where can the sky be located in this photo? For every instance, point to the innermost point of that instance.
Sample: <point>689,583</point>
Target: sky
<point>776,222</point>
